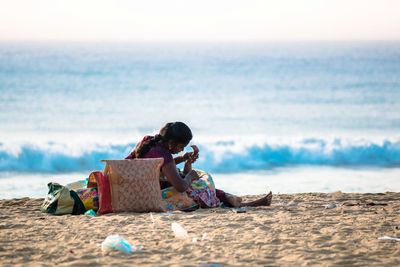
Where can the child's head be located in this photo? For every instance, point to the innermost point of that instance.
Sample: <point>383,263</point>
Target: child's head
<point>176,135</point>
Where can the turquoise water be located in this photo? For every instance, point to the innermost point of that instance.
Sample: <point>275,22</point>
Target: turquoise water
<point>253,108</point>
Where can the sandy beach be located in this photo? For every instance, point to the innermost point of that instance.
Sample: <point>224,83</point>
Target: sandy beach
<point>297,230</point>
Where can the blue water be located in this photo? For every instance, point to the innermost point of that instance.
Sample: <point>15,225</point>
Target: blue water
<point>252,107</point>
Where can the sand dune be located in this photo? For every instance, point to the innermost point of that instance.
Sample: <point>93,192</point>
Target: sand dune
<point>296,230</point>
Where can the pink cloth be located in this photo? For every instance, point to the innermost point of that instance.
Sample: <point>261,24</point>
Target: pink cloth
<point>158,151</point>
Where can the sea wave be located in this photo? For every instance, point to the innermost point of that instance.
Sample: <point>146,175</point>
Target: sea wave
<point>221,156</point>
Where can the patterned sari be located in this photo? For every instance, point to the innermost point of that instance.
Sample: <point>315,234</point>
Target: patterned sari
<point>201,193</point>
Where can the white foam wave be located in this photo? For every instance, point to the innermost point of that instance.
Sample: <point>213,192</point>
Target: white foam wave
<point>220,156</point>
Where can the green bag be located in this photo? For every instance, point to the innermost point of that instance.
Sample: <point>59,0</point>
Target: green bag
<point>60,200</point>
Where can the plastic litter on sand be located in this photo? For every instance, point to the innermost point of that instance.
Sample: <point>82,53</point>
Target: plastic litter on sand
<point>205,237</point>
<point>389,238</point>
<point>152,218</point>
<point>331,206</point>
<point>90,213</point>
<point>118,243</point>
<point>239,210</point>
<point>179,231</point>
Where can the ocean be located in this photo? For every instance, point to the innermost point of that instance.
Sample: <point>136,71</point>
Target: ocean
<point>286,117</point>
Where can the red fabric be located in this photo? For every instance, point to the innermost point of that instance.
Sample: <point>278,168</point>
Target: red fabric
<point>104,191</point>
<point>158,151</point>
<point>145,139</point>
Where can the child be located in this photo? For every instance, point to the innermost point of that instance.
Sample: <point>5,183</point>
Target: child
<point>197,185</point>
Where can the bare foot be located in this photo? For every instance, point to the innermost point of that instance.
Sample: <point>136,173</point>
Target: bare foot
<point>269,198</point>
<point>264,201</point>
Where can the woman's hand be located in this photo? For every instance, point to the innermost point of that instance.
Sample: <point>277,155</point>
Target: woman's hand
<point>192,156</point>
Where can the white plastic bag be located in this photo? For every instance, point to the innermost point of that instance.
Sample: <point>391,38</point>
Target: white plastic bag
<point>389,238</point>
<point>179,231</point>
<point>117,243</point>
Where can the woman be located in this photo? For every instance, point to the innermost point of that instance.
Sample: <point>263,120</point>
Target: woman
<point>187,189</point>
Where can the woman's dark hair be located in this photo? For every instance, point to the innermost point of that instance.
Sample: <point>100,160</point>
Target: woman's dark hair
<point>176,131</point>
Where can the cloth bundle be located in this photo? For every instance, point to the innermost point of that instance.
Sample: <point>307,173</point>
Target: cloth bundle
<point>124,185</point>
<point>131,185</point>
<point>61,200</point>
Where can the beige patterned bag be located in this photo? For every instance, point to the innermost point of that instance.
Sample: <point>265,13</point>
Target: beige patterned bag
<point>135,184</point>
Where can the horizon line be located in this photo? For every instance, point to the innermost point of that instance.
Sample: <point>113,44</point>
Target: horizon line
<point>250,41</point>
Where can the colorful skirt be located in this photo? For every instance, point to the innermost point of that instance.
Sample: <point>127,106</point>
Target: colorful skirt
<point>201,193</point>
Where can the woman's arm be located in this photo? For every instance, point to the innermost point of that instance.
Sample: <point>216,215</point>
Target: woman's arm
<point>169,171</point>
<point>180,159</point>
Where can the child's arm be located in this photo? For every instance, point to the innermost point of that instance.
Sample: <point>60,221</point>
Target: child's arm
<point>182,158</point>
<point>188,167</point>
<point>188,155</point>
<point>191,159</point>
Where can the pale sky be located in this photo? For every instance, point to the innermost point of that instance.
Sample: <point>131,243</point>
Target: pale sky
<point>203,20</point>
